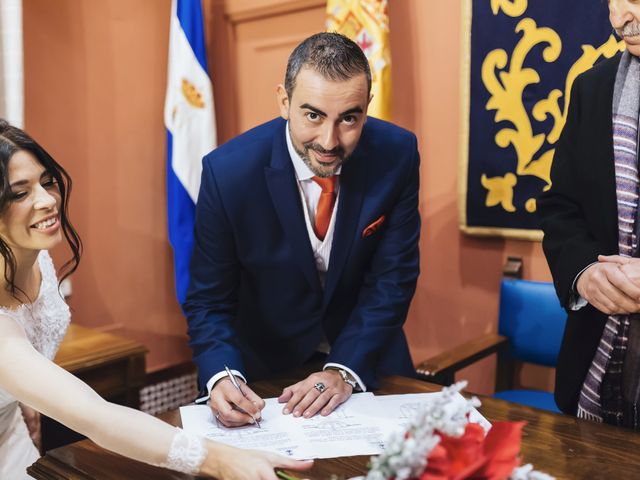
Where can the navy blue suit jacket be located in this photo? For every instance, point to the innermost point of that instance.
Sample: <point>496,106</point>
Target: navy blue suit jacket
<point>255,302</point>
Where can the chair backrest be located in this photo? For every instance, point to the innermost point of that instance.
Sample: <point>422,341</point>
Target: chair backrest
<point>533,320</point>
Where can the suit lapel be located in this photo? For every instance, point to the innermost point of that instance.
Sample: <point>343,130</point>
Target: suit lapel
<point>281,182</point>
<point>352,186</point>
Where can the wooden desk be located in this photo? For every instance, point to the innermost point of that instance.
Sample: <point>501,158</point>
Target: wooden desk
<point>113,366</point>
<point>562,446</point>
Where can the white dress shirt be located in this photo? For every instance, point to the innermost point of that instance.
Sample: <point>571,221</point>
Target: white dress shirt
<point>310,195</point>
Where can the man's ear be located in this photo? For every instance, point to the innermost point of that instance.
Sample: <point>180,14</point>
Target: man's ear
<point>283,101</point>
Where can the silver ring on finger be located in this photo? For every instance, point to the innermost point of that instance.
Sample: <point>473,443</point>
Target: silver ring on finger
<point>321,387</point>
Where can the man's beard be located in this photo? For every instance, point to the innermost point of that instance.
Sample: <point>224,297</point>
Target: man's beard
<point>322,173</point>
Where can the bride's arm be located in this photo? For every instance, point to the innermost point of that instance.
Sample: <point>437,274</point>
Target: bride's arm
<point>41,384</point>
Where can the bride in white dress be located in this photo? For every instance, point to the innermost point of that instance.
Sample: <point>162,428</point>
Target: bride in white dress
<point>34,192</point>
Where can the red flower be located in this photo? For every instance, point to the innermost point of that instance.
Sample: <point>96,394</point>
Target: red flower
<point>474,456</point>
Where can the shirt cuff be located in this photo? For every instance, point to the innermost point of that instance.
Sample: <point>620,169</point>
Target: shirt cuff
<point>576,302</point>
<point>220,375</point>
<point>363,387</point>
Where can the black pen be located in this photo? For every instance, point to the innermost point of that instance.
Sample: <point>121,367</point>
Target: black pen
<point>237,385</point>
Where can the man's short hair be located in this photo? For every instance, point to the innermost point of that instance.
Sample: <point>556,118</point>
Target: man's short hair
<point>332,55</point>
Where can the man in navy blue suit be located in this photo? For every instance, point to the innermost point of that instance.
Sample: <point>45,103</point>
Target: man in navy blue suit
<point>306,241</point>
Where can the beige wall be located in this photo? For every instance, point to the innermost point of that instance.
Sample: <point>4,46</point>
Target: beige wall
<point>95,85</point>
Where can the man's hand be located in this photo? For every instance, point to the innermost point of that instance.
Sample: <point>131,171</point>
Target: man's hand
<point>230,407</point>
<point>32,419</point>
<point>304,399</point>
<point>606,286</point>
<point>629,266</point>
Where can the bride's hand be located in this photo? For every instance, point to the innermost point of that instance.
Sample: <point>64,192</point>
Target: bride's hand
<point>229,463</point>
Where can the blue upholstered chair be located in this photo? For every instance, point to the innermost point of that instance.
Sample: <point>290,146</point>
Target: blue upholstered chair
<point>530,330</point>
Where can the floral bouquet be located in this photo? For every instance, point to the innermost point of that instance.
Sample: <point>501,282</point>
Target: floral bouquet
<point>438,445</point>
<point>441,444</point>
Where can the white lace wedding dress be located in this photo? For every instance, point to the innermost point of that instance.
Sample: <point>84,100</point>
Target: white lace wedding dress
<point>29,338</point>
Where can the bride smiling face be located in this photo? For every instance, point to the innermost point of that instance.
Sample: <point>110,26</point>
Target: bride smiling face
<point>30,219</point>
<point>34,199</point>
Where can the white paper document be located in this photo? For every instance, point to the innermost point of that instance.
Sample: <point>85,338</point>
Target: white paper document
<point>360,426</point>
<point>403,408</point>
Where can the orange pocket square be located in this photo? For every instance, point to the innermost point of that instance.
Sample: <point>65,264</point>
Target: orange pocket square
<point>371,229</point>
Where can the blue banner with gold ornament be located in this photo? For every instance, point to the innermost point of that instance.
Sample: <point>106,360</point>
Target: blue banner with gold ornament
<point>521,58</point>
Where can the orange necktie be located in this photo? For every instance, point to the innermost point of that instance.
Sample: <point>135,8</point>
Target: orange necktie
<point>325,204</point>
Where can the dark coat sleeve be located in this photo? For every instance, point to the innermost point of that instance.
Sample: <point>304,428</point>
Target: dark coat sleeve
<point>579,218</point>
<point>212,297</point>
<point>568,243</point>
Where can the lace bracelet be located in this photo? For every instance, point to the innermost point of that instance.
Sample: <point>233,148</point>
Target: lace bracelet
<point>186,454</point>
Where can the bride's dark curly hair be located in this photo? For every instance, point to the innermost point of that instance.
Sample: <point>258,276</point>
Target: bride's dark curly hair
<point>13,140</point>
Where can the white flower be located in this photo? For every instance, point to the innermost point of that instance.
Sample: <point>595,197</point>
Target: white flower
<point>526,472</point>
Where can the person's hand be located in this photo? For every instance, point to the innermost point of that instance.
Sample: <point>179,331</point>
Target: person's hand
<point>605,286</point>
<point>229,463</point>
<point>304,399</point>
<point>629,266</point>
<point>32,419</point>
<point>230,407</point>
